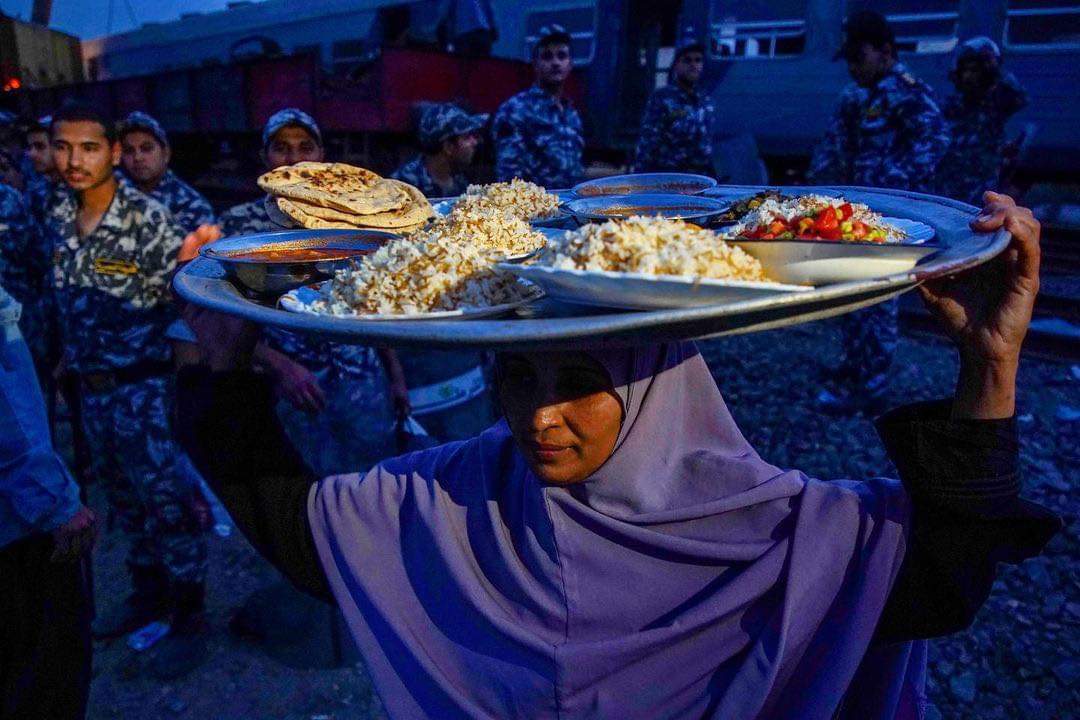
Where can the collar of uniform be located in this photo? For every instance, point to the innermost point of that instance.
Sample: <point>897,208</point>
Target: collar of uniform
<point>693,95</point>
<point>895,72</point>
<point>538,92</point>
<point>168,183</point>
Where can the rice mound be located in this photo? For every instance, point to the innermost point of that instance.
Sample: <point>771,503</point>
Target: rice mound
<point>523,199</point>
<point>428,271</point>
<point>488,229</point>
<point>654,246</point>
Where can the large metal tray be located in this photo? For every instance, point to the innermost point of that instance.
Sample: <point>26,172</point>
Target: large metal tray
<point>549,325</point>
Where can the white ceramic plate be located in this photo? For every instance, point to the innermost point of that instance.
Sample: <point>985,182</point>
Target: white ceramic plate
<point>299,301</point>
<point>638,291</point>
<point>823,262</point>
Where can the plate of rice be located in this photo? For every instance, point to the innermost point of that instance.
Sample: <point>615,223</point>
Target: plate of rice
<point>647,263</point>
<point>524,200</point>
<point>426,275</point>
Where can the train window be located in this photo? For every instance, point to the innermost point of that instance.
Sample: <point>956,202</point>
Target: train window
<point>757,30</point>
<point>347,55</point>
<point>580,22</point>
<point>921,26</point>
<point>1042,24</point>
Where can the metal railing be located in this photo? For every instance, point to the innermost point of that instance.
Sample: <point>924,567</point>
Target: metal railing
<point>1040,12</point>
<point>765,33</point>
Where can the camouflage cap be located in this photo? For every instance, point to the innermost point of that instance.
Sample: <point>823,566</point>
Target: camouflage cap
<point>552,33</point>
<point>139,120</point>
<point>864,27</point>
<point>978,47</point>
<point>439,121</point>
<point>285,118</point>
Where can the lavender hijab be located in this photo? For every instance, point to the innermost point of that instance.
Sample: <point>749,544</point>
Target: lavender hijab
<point>687,578</point>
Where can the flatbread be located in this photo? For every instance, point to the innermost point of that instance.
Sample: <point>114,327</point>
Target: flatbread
<point>415,212</point>
<point>334,185</point>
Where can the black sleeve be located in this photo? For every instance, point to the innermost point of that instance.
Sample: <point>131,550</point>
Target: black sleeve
<point>227,424</point>
<point>967,517</point>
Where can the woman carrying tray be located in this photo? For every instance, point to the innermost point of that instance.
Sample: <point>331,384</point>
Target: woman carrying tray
<point>616,549</point>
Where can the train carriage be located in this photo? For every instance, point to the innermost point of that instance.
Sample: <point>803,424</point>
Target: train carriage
<point>361,64</point>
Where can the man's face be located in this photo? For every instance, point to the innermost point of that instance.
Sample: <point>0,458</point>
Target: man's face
<point>974,75</point>
<point>687,69</point>
<point>552,64</point>
<point>868,64</point>
<point>144,157</point>
<point>83,155</point>
<point>290,145</point>
<point>461,149</point>
<point>39,151</point>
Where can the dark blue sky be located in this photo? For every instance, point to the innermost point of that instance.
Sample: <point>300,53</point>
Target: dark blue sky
<point>90,18</point>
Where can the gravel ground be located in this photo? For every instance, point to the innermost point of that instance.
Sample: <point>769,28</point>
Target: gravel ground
<point>1018,660</point>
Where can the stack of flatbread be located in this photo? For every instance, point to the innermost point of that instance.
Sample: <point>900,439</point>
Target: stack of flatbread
<point>335,195</point>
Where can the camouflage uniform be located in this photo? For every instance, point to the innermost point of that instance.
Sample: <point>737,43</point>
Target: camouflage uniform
<point>24,269</point>
<point>676,132</point>
<point>538,138</point>
<point>416,174</point>
<point>973,162</point>
<point>111,290</point>
<point>894,136</point>
<point>189,209</point>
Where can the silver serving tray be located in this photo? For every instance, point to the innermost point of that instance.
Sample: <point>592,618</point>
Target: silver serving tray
<point>547,324</point>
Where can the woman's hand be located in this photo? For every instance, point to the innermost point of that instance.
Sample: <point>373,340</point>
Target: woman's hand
<point>986,311</point>
<point>293,381</point>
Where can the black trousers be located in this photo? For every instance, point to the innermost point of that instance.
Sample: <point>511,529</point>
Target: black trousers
<point>45,613</point>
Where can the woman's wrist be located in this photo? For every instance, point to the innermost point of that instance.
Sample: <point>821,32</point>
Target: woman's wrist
<point>985,389</point>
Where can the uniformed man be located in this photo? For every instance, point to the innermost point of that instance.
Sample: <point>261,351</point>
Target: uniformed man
<point>301,366</point>
<point>145,156</point>
<point>887,132</point>
<point>115,249</point>
<point>45,180</point>
<point>24,273</point>
<point>538,133</point>
<point>985,98</point>
<point>448,392</point>
<point>676,129</point>
<point>448,138</point>
<point>13,166</point>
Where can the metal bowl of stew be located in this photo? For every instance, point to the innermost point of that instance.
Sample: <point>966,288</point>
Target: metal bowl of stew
<point>272,263</point>
<point>691,208</point>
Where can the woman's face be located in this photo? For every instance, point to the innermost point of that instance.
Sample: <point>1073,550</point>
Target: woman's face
<point>563,412</point>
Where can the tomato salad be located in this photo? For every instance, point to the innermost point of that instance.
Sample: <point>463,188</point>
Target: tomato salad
<point>814,217</point>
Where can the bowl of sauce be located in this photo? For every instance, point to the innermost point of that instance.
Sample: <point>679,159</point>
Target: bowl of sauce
<point>269,264</point>
<point>693,209</point>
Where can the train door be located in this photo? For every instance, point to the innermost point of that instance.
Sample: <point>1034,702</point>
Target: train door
<point>651,31</point>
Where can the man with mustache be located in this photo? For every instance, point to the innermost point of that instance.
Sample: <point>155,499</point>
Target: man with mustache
<point>114,251</point>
